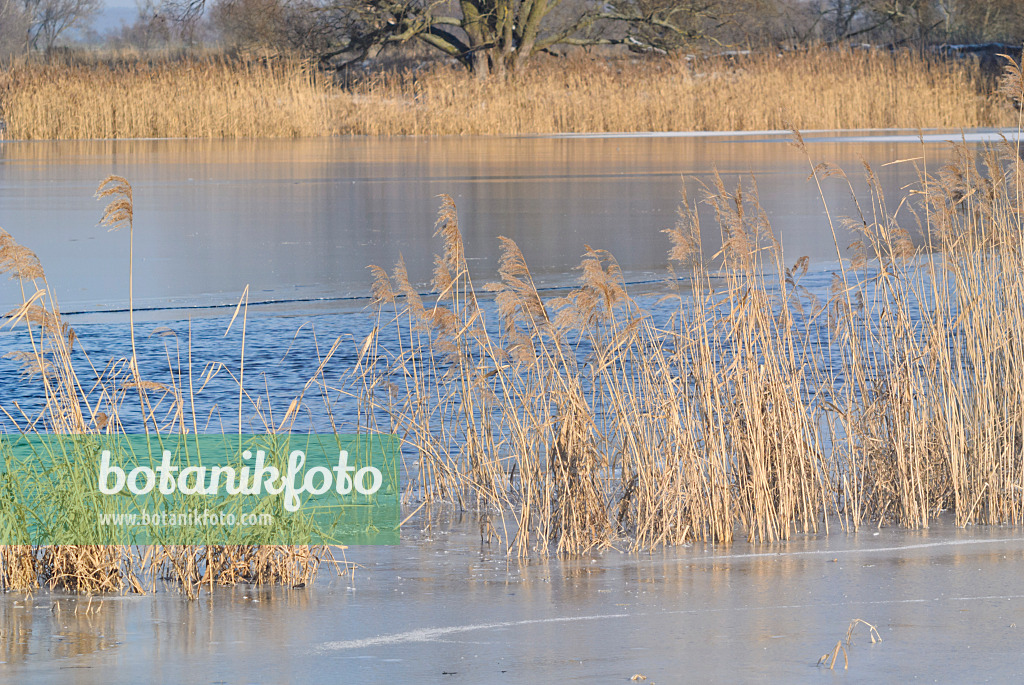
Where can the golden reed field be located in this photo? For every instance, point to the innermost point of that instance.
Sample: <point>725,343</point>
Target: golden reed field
<point>216,97</point>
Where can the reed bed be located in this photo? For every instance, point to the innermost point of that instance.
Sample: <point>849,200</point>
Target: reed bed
<point>191,98</point>
<point>817,89</point>
<point>758,407</point>
<point>204,98</point>
<point>84,400</point>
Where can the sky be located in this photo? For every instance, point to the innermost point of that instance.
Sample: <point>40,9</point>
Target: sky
<point>113,13</point>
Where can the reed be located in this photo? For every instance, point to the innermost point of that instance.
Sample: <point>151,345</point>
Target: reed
<point>110,400</point>
<point>759,406</point>
<point>661,434</point>
<point>816,89</point>
<point>831,657</point>
<point>191,98</point>
<point>235,98</point>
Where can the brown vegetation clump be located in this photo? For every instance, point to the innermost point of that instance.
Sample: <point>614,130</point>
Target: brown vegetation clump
<point>813,89</point>
<point>218,97</point>
<point>191,98</point>
<point>80,408</point>
<point>759,407</point>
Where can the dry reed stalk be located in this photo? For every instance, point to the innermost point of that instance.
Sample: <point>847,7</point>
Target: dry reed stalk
<point>18,568</point>
<point>757,407</point>
<point>193,567</point>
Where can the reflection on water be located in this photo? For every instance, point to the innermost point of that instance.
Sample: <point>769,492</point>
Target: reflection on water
<point>303,219</point>
<point>56,627</point>
<point>946,603</point>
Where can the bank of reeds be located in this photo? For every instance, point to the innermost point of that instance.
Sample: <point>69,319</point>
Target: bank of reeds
<point>110,400</point>
<point>759,406</point>
<point>816,89</point>
<point>203,98</point>
<point>187,98</point>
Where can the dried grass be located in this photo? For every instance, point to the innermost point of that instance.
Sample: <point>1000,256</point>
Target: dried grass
<point>201,98</point>
<point>816,89</point>
<point>218,97</point>
<point>759,407</point>
<point>76,408</point>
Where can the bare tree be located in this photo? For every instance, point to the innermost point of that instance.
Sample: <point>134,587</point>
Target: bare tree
<point>252,22</point>
<point>49,19</point>
<point>151,29</point>
<point>988,20</point>
<point>299,25</point>
<point>488,36</point>
<point>494,36</point>
<point>498,36</point>
<point>13,28</point>
<point>920,21</point>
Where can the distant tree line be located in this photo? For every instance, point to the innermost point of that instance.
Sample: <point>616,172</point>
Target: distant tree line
<point>498,36</point>
<point>495,36</point>
<point>37,25</point>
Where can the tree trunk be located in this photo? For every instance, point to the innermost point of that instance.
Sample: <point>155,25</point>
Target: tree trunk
<point>531,21</point>
<point>480,64</point>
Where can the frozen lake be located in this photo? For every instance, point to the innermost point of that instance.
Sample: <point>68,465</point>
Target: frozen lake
<point>300,220</point>
<point>441,607</point>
